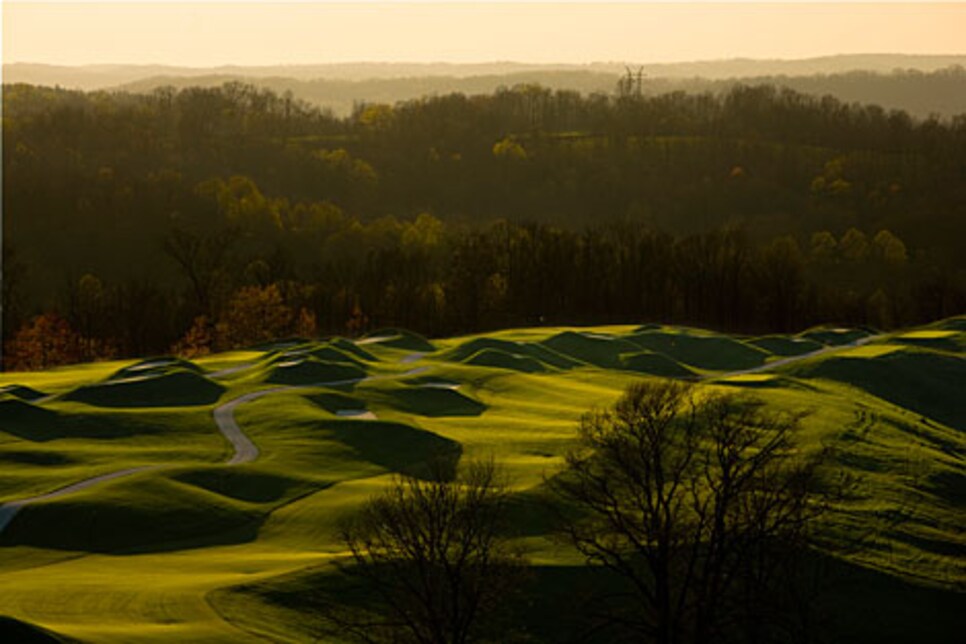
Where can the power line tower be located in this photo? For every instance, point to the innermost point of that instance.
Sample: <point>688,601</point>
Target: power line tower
<point>631,83</point>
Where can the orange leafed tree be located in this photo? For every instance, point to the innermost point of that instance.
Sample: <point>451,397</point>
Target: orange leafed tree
<point>255,314</point>
<point>197,341</point>
<point>46,341</point>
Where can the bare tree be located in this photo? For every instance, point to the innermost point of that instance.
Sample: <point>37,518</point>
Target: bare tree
<point>202,257</point>
<point>429,559</point>
<point>701,504</point>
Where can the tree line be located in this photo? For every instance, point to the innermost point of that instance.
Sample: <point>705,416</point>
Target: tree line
<point>138,224</point>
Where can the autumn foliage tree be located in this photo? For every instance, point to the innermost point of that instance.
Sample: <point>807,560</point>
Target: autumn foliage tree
<point>254,314</point>
<point>46,341</point>
<point>197,341</point>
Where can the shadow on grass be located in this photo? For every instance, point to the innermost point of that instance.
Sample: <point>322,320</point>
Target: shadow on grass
<point>16,631</point>
<point>176,388</point>
<point>395,446</point>
<point>859,606</point>
<point>38,424</point>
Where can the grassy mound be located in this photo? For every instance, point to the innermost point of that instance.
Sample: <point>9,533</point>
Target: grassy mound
<point>518,349</point>
<point>400,339</point>
<point>467,349</point>
<point>502,360</point>
<point>835,337</point>
<point>15,410</point>
<point>925,382</point>
<point>27,421</point>
<point>394,446</point>
<point>348,346</point>
<point>432,401</point>
<point>154,366</point>
<point>334,402</point>
<point>21,392</point>
<point>654,364</point>
<point>783,345</point>
<point>597,350</point>
<point>279,345</point>
<point>715,353</point>
<point>941,340</point>
<point>310,371</point>
<point>332,354</point>
<point>16,631</point>
<point>144,514</point>
<point>431,381</point>
<point>243,484</point>
<point>953,324</point>
<point>174,388</point>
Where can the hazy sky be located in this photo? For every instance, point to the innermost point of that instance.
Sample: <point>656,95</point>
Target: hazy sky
<point>249,33</point>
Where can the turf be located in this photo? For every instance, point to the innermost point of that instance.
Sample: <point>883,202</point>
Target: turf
<point>171,387</point>
<point>715,353</point>
<point>307,371</point>
<point>400,339</point>
<point>502,360</point>
<point>194,550</point>
<point>781,345</point>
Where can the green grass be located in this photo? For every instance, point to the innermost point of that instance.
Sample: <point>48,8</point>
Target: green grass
<point>307,371</point>
<point>193,550</point>
<point>176,387</point>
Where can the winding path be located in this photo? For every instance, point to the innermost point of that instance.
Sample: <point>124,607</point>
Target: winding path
<point>244,449</point>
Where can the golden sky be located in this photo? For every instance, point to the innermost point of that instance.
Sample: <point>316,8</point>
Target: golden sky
<point>250,33</point>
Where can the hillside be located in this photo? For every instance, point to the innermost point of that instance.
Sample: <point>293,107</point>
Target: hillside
<point>217,483</point>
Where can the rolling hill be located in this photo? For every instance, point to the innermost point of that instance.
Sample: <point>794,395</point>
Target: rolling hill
<point>196,501</point>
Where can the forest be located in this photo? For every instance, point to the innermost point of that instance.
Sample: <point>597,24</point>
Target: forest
<point>202,219</point>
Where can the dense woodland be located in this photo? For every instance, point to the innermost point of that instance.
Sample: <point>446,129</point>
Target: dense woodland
<point>205,218</point>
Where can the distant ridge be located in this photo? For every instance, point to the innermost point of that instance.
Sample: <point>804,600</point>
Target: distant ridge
<point>924,85</point>
<point>90,77</point>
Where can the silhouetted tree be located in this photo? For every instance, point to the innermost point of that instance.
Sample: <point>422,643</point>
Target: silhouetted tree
<point>700,503</point>
<point>431,557</point>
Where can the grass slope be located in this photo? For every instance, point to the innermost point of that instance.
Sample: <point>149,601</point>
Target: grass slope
<point>236,554</point>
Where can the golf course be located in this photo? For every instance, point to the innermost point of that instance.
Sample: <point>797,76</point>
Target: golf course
<point>198,501</point>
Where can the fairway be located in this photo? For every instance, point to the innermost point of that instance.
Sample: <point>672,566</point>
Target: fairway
<point>170,500</point>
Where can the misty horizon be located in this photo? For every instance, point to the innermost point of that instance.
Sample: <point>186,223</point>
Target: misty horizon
<point>251,34</point>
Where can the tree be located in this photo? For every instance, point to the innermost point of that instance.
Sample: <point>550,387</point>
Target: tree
<point>197,341</point>
<point>203,259</point>
<point>254,314</point>
<point>699,503</point>
<point>46,341</point>
<point>430,556</point>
